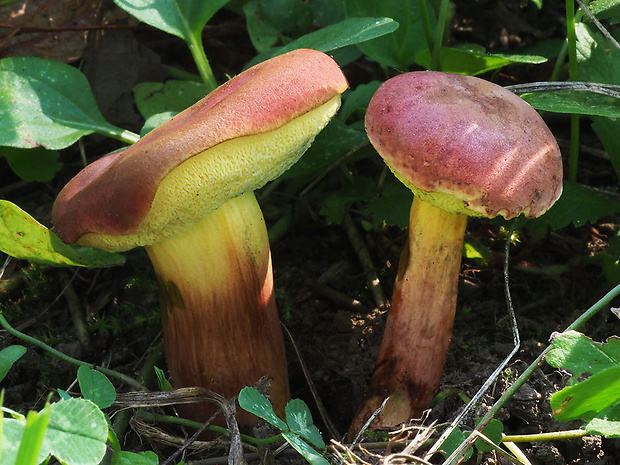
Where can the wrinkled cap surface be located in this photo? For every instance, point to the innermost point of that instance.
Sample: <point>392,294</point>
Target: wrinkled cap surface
<point>466,145</point>
<point>240,136</point>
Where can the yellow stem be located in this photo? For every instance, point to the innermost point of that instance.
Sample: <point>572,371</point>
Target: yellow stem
<point>221,326</point>
<point>418,331</point>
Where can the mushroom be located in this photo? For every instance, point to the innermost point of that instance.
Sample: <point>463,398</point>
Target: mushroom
<point>185,192</point>
<point>465,147</point>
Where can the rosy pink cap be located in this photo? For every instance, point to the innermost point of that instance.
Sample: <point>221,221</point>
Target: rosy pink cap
<point>466,145</point>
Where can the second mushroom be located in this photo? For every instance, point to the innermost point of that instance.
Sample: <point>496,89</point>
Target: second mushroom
<point>465,147</point>
<point>185,193</point>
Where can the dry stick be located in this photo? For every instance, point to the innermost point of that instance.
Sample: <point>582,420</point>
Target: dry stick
<point>460,452</point>
<point>75,309</point>
<point>366,260</point>
<point>491,379</point>
<point>333,431</point>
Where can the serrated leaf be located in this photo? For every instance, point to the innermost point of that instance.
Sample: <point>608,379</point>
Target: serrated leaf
<point>23,237</point>
<point>254,402</point>
<point>96,387</point>
<point>393,205</point>
<point>300,421</point>
<point>400,48</point>
<point>578,354</point>
<point>8,356</point>
<point>48,103</point>
<point>36,164</point>
<point>578,205</point>
<point>304,449</point>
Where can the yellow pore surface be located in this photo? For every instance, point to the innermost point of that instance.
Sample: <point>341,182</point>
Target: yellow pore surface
<point>205,181</point>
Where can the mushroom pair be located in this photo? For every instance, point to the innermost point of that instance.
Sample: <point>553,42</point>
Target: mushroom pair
<point>465,147</point>
<point>185,193</point>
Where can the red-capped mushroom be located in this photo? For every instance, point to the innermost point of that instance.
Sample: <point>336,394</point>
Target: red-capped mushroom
<point>465,147</point>
<point>185,193</point>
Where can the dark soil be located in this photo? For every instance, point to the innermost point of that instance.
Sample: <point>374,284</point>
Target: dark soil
<point>323,291</point>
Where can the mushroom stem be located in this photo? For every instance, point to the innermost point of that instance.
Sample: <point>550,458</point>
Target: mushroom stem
<point>418,331</point>
<point>221,325</point>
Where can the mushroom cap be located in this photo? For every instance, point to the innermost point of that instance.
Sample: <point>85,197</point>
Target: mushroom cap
<point>465,145</point>
<point>240,136</point>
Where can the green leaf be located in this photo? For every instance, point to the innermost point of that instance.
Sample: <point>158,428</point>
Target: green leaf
<point>162,381</point>
<point>393,204</point>
<point>597,60</point>
<point>23,237</point>
<point>575,102</point>
<point>131,458</point>
<point>606,423</point>
<point>254,402</point>
<point>587,399</point>
<point>348,32</point>
<point>48,103</point>
<point>357,99</point>
<point>31,440</point>
<point>606,9</point>
<point>578,205</point>
<point>299,420</point>
<point>360,189</point>
<point>607,131</point>
<point>473,61</point>
<point>172,96</point>
<point>452,442</point>
<point>400,48</point>
<point>96,387</point>
<point>181,18</point>
<point>304,449</point>
<point>76,434</point>
<point>492,431</point>
<point>579,355</point>
<point>37,164</point>
<point>8,356</point>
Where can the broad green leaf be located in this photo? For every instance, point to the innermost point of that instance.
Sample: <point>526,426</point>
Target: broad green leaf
<point>300,421</point>
<point>254,402</point>
<point>606,423</point>
<point>37,164</point>
<point>473,62</point>
<point>172,96</point>
<point>304,449</point>
<point>607,131</point>
<point>96,387</point>
<point>31,441</point>
<point>586,399</point>
<point>492,431</point>
<point>577,205</point>
<point>336,204</point>
<point>76,434</point>
<point>575,102</point>
<point>606,9</point>
<point>357,99</point>
<point>48,103</point>
<point>8,356</point>
<point>263,34</point>
<point>23,237</point>
<point>392,204</point>
<point>400,48</point>
<point>182,18</point>
<point>351,31</point>
<point>598,61</point>
<point>452,442</point>
<point>578,354</point>
<point>131,458</point>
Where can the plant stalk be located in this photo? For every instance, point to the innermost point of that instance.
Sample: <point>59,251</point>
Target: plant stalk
<point>220,321</point>
<point>418,331</point>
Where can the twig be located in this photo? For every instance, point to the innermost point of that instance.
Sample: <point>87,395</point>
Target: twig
<point>366,260</point>
<point>73,303</point>
<point>332,430</point>
<point>609,90</point>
